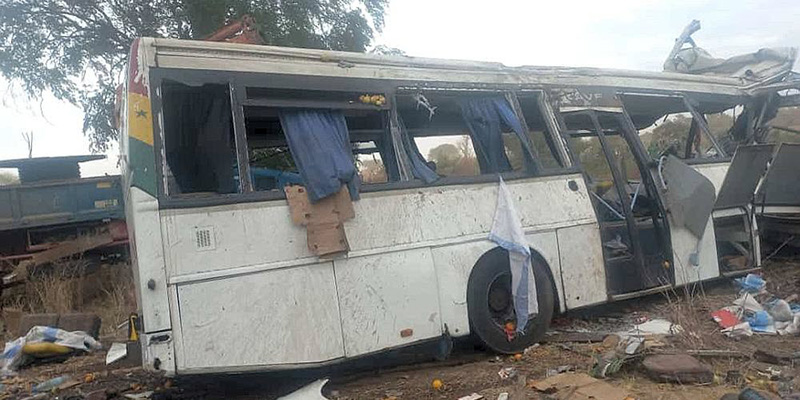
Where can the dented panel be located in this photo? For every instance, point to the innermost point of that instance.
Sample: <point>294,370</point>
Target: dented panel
<point>387,300</point>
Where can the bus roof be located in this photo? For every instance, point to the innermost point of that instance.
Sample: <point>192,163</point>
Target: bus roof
<point>234,57</point>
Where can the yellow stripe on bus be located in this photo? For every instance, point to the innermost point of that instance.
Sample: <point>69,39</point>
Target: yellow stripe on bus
<point>140,120</point>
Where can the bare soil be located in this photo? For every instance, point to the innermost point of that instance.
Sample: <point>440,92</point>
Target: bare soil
<point>409,376</point>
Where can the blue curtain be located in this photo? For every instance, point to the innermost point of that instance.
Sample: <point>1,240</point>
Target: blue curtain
<point>320,145</point>
<point>419,167</point>
<point>487,118</point>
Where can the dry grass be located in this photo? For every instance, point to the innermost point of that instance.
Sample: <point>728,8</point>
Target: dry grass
<point>107,291</point>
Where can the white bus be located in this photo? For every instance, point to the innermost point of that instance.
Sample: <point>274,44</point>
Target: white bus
<point>622,180</point>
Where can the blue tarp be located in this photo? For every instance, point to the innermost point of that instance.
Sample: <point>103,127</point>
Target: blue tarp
<point>487,118</point>
<point>320,145</point>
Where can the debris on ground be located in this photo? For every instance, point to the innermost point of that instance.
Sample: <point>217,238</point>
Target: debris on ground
<point>42,342</point>
<point>752,283</point>
<point>312,391</point>
<point>117,352</point>
<point>747,315</point>
<point>677,368</point>
<point>575,386</point>
<point>507,373</point>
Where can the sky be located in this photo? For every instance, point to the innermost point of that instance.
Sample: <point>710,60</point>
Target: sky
<point>627,34</point>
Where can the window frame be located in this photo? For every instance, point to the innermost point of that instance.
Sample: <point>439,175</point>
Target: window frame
<point>238,82</point>
<point>697,117</point>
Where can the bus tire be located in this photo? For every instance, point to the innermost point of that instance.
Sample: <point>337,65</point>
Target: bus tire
<point>486,305</point>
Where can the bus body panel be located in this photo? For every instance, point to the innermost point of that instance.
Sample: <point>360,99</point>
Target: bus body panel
<point>387,300</point>
<point>281,316</point>
<point>144,230</point>
<point>404,280</point>
<point>247,237</point>
<point>582,268</point>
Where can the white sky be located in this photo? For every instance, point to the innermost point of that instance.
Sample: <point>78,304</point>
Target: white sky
<point>630,34</point>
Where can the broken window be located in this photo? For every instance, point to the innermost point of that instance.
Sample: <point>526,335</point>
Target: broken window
<point>451,155</point>
<point>198,139</point>
<point>667,125</point>
<point>785,127</point>
<point>272,164</point>
<point>437,123</point>
<point>538,132</point>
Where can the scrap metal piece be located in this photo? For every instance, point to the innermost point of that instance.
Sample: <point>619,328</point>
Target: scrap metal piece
<point>312,391</point>
<point>748,165</point>
<point>690,196</point>
<point>781,186</point>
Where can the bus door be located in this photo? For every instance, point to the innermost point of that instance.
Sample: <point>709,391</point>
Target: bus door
<point>636,245</point>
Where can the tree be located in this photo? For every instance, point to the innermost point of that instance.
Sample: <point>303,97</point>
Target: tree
<point>7,178</point>
<point>77,49</point>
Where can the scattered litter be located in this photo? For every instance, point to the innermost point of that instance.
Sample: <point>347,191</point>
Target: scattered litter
<point>50,384</point>
<point>752,283</point>
<point>655,327</point>
<point>634,343</point>
<point>748,303</point>
<point>502,396</point>
<point>312,391</point>
<point>117,352</point>
<point>575,386</point>
<point>142,395</point>
<point>531,348</point>
<point>725,318</point>
<point>789,328</point>
<point>739,330</point>
<point>559,370</point>
<point>473,396</point>
<point>762,322</point>
<point>507,372</point>
<point>14,356</point>
<point>780,310</point>
<point>437,384</point>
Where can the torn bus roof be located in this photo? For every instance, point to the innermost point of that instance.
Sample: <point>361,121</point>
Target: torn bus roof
<point>404,70</point>
<point>763,66</point>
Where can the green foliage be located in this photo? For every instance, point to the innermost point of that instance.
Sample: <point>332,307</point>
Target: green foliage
<point>7,178</point>
<point>273,158</point>
<point>77,49</point>
<point>455,159</point>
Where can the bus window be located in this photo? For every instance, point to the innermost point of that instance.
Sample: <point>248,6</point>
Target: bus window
<point>785,126</point>
<point>666,126</point>
<point>538,132</point>
<point>443,137</point>
<point>198,139</point>
<point>449,155</point>
<point>369,163</point>
<point>271,163</point>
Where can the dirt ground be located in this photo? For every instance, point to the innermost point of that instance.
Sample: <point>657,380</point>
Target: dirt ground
<point>409,374</point>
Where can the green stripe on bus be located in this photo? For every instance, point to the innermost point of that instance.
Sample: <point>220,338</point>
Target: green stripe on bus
<point>142,166</point>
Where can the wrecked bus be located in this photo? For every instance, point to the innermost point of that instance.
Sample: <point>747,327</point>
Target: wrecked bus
<point>625,183</point>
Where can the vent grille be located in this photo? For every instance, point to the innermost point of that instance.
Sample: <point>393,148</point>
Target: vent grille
<point>204,238</point>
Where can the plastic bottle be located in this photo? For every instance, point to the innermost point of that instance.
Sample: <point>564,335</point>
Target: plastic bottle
<point>49,384</point>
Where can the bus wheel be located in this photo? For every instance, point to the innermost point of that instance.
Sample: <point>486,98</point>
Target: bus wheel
<point>490,305</point>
